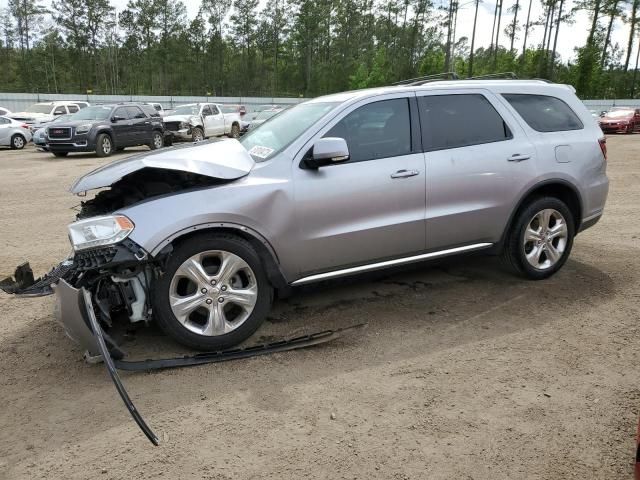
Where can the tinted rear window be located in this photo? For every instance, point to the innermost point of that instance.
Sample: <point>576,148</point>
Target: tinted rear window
<point>450,121</point>
<point>544,113</point>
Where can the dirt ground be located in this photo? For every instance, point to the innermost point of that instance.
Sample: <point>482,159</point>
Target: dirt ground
<point>464,372</point>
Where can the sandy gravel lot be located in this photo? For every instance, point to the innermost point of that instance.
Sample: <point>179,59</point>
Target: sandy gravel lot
<point>465,372</point>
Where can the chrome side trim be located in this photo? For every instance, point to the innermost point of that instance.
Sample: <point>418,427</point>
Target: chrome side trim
<point>389,263</point>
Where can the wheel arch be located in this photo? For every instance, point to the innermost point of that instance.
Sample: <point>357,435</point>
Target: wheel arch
<point>557,188</point>
<point>262,246</point>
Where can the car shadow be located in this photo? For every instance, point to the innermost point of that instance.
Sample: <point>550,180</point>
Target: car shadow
<point>409,311</point>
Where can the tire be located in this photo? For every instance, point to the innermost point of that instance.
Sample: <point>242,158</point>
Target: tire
<point>197,135</point>
<point>539,256</point>
<point>157,141</point>
<point>235,131</point>
<point>195,327</point>
<point>18,142</point>
<point>629,130</point>
<point>104,145</point>
<point>60,154</point>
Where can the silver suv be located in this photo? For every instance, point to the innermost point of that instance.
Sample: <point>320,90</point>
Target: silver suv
<point>200,238</point>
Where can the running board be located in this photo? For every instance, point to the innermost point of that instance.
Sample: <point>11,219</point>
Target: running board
<point>389,263</point>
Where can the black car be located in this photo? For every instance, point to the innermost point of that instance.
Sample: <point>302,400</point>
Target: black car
<point>105,128</point>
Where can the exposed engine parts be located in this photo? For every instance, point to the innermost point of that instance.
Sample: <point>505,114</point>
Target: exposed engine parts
<point>140,185</point>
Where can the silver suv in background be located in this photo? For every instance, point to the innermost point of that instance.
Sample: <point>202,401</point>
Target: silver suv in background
<point>200,238</point>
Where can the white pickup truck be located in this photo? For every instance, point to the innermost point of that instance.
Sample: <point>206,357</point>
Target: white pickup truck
<point>197,121</point>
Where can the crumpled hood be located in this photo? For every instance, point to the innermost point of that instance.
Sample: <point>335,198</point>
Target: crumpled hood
<point>178,118</point>
<point>224,159</point>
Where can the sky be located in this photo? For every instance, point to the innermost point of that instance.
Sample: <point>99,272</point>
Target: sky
<point>569,37</point>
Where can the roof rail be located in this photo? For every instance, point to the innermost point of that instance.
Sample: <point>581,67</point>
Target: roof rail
<point>510,75</point>
<point>428,78</point>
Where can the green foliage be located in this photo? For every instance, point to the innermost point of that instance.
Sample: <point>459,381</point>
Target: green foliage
<point>292,47</point>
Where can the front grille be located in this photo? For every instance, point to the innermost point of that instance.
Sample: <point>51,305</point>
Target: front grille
<point>59,133</point>
<point>173,126</point>
<point>91,259</point>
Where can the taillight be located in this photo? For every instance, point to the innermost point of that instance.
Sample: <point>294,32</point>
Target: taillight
<point>603,146</point>
<point>24,125</point>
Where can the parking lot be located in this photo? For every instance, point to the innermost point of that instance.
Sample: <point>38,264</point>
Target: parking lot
<point>464,371</point>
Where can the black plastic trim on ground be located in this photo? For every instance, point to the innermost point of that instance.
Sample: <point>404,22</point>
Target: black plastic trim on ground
<point>235,354</point>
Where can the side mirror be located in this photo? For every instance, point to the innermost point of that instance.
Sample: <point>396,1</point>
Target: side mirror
<point>117,118</point>
<point>327,151</point>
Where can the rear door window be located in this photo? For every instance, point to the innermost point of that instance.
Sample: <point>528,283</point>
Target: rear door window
<point>376,130</point>
<point>451,121</point>
<point>544,113</point>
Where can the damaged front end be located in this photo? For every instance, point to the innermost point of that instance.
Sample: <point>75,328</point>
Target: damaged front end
<point>108,280</point>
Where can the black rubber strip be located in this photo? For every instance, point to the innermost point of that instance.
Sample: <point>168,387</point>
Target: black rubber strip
<point>108,361</point>
<point>235,354</point>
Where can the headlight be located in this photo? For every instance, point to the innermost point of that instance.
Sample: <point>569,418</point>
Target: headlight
<point>99,231</point>
<point>83,128</point>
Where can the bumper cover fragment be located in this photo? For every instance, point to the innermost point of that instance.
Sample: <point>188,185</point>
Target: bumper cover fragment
<point>23,283</point>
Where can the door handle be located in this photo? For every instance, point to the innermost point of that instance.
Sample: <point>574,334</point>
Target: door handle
<point>516,157</point>
<point>405,173</point>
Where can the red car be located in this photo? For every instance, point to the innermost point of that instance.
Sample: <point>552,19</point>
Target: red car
<point>621,120</point>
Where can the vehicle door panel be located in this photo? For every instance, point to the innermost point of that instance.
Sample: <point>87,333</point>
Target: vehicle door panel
<point>122,128</point>
<point>140,130</point>
<point>214,121</point>
<point>5,128</point>
<point>354,212</point>
<point>471,189</point>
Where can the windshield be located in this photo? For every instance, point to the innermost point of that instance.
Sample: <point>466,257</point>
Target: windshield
<point>92,113</point>
<point>40,108</point>
<point>619,114</point>
<point>187,110</point>
<point>277,133</point>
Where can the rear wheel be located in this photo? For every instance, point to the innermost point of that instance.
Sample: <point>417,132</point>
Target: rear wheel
<point>214,292</point>
<point>60,154</point>
<point>104,145</point>
<point>18,142</point>
<point>156,141</point>
<point>540,241</point>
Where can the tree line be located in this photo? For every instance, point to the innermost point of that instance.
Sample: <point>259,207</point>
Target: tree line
<point>302,47</point>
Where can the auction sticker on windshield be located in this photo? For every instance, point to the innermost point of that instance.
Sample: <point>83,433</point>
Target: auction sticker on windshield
<point>260,151</point>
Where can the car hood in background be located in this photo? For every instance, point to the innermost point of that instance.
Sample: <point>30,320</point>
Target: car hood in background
<point>178,118</point>
<point>224,159</point>
<point>30,116</point>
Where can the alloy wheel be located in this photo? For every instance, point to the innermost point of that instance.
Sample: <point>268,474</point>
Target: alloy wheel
<point>106,145</point>
<point>545,239</point>
<point>213,293</point>
<point>18,142</point>
<point>157,141</point>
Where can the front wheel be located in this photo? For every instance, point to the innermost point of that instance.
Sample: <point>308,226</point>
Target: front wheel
<point>213,294</point>
<point>235,131</point>
<point>197,135</point>
<point>104,145</point>
<point>18,142</point>
<point>540,241</point>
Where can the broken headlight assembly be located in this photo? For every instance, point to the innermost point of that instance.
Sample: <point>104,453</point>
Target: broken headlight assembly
<point>99,231</point>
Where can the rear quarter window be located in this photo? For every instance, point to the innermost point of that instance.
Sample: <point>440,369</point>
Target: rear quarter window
<point>544,113</point>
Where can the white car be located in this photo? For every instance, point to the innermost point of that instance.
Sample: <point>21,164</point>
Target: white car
<point>197,121</point>
<point>40,113</point>
<point>4,111</point>
<point>14,134</point>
